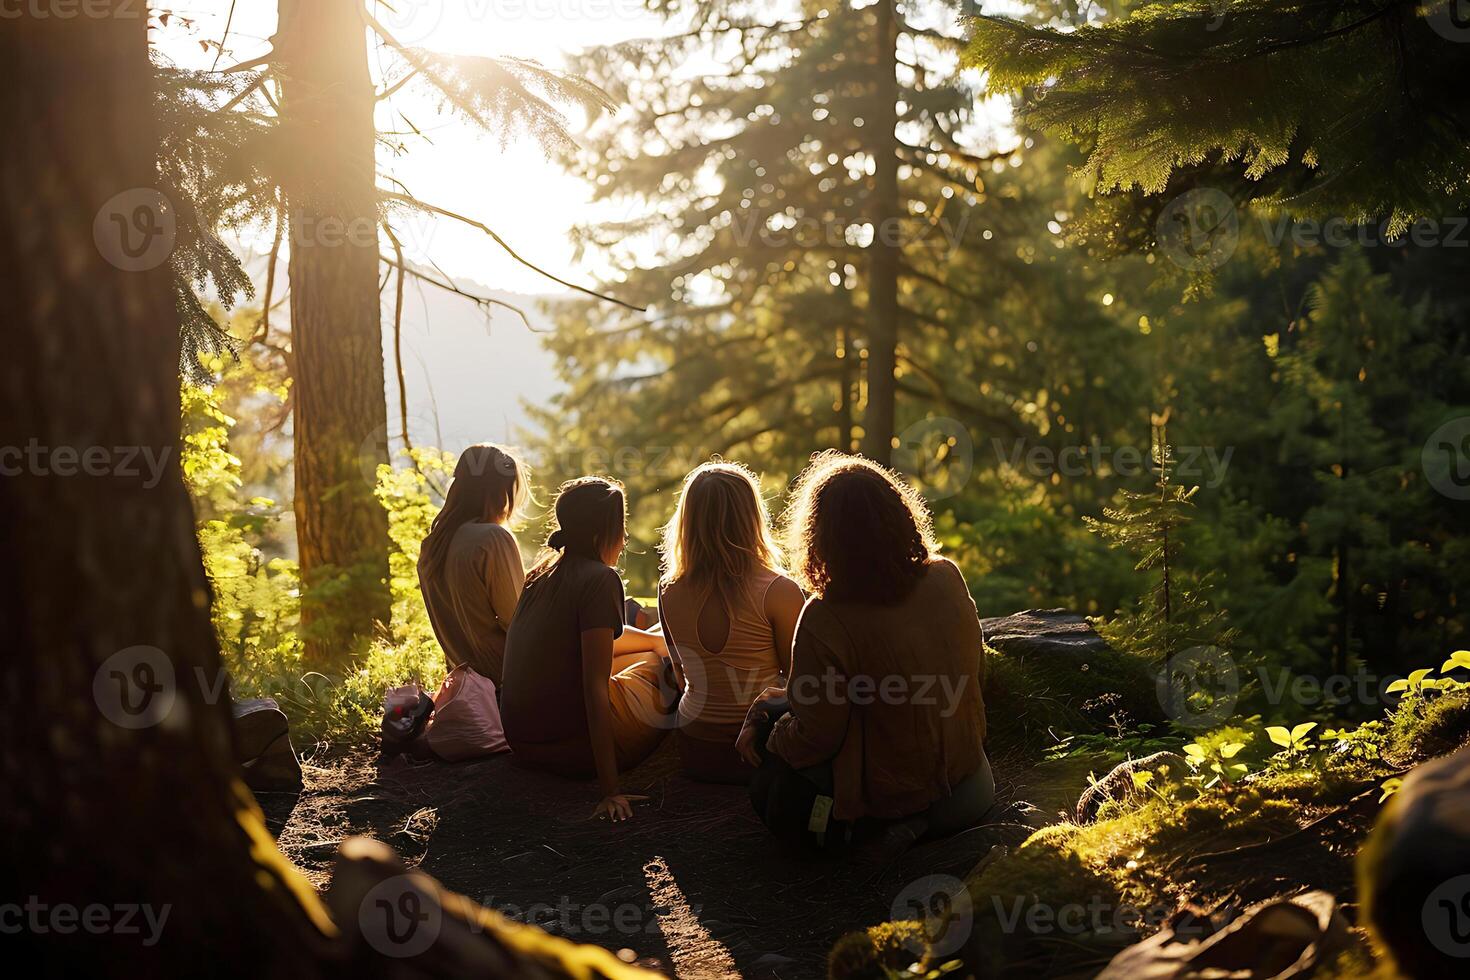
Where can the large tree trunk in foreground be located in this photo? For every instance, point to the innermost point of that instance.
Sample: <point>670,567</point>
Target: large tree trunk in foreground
<point>884,252</point>
<point>337,394</point>
<point>129,844</point>
<point>120,785</point>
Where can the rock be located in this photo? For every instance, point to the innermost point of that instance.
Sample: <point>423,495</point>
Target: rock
<point>1048,671</point>
<point>1044,632</point>
<point>263,746</point>
<point>1414,870</point>
<point>1275,940</point>
<point>1119,784</point>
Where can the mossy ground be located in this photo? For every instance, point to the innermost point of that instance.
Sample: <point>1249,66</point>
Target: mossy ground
<point>1072,896</point>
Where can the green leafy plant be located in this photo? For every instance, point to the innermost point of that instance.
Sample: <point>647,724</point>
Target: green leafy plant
<point>1212,762</point>
<point>1296,740</point>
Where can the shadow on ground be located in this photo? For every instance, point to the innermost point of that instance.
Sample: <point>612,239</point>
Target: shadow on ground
<point>692,885</point>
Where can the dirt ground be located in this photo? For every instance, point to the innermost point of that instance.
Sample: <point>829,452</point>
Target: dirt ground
<point>692,885</point>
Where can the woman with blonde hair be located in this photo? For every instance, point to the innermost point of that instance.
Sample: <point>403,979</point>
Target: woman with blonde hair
<point>470,566</point>
<point>881,725</point>
<point>728,611</point>
<point>585,695</point>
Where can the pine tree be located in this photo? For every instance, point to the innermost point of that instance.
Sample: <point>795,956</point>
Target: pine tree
<point>785,210</point>
<point>1320,107</point>
<point>1347,419</point>
<point>1173,614</point>
<point>289,138</point>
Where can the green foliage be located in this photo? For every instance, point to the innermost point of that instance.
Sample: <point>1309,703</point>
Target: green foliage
<point>1260,87</point>
<point>1036,701</point>
<point>254,583</point>
<point>1433,713</point>
<point>1174,614</point>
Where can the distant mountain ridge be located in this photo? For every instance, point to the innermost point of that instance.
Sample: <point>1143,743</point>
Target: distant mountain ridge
<point>468,370</point>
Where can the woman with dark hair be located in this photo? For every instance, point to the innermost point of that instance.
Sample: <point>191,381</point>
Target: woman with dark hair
<point>881,725</point>
<point>585,695</point>
<point>470,567</point>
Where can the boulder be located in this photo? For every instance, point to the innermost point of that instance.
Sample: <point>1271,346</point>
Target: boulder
<point>263,746</point>
<point>1044,632</point>
<point>1119,784</point>
<point>1414,871</point>
<point>1049,670</point>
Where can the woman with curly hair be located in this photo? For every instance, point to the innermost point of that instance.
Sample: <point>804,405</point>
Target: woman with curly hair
<point>728,610</point>
<point>881,726</point>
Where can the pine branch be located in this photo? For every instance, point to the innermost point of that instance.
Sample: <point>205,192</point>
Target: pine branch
<point>481,226</point>
<point>484,302</point>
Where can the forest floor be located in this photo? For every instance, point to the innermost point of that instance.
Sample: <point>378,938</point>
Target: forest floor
<point>692,885</point>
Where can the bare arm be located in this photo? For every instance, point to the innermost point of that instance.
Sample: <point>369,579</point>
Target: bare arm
<point>671,643</point>
<point>635,640</point>
<point>597,654</point>
<point>783,609</point>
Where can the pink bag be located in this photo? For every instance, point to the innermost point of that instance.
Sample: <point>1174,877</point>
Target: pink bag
<point>466,720</point>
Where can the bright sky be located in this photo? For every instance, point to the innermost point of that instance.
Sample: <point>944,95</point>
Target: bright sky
<point>527,199</point>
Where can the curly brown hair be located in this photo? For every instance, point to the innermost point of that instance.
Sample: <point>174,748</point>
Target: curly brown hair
<point>856,532</point>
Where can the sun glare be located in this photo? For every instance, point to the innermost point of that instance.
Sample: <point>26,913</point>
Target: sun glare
<point>528,199</point>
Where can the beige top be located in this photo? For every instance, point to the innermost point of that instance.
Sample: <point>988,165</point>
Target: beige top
<point>720,684</point>
<point>471,601</point>
<point>890,695</point>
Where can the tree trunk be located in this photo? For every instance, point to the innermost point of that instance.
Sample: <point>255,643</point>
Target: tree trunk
<point>116,742</point>
<point>130,846</point>
<point>884,252</point>
<point>844,389</point>
<point>338,392</point>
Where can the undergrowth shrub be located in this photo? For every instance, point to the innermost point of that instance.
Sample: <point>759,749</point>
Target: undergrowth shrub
<point>256,599</point>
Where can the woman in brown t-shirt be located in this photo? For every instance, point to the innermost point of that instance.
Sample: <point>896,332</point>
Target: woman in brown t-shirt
<point>470,567</point>
<point>886,722</point>
<point>585,695</point>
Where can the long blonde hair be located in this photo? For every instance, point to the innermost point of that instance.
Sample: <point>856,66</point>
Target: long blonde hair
<point>720,531</point>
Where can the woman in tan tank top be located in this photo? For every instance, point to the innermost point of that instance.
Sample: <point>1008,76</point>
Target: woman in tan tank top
<point>728,611</point>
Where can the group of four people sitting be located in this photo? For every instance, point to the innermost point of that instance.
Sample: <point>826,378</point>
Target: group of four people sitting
<point>842,684</point>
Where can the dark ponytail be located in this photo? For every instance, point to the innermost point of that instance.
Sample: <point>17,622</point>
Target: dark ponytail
<point>591,512</point>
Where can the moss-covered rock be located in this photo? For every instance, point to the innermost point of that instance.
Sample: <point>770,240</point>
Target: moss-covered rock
<point>877,953</point>
<point>1425,727</point>
<point>1048,669</point>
